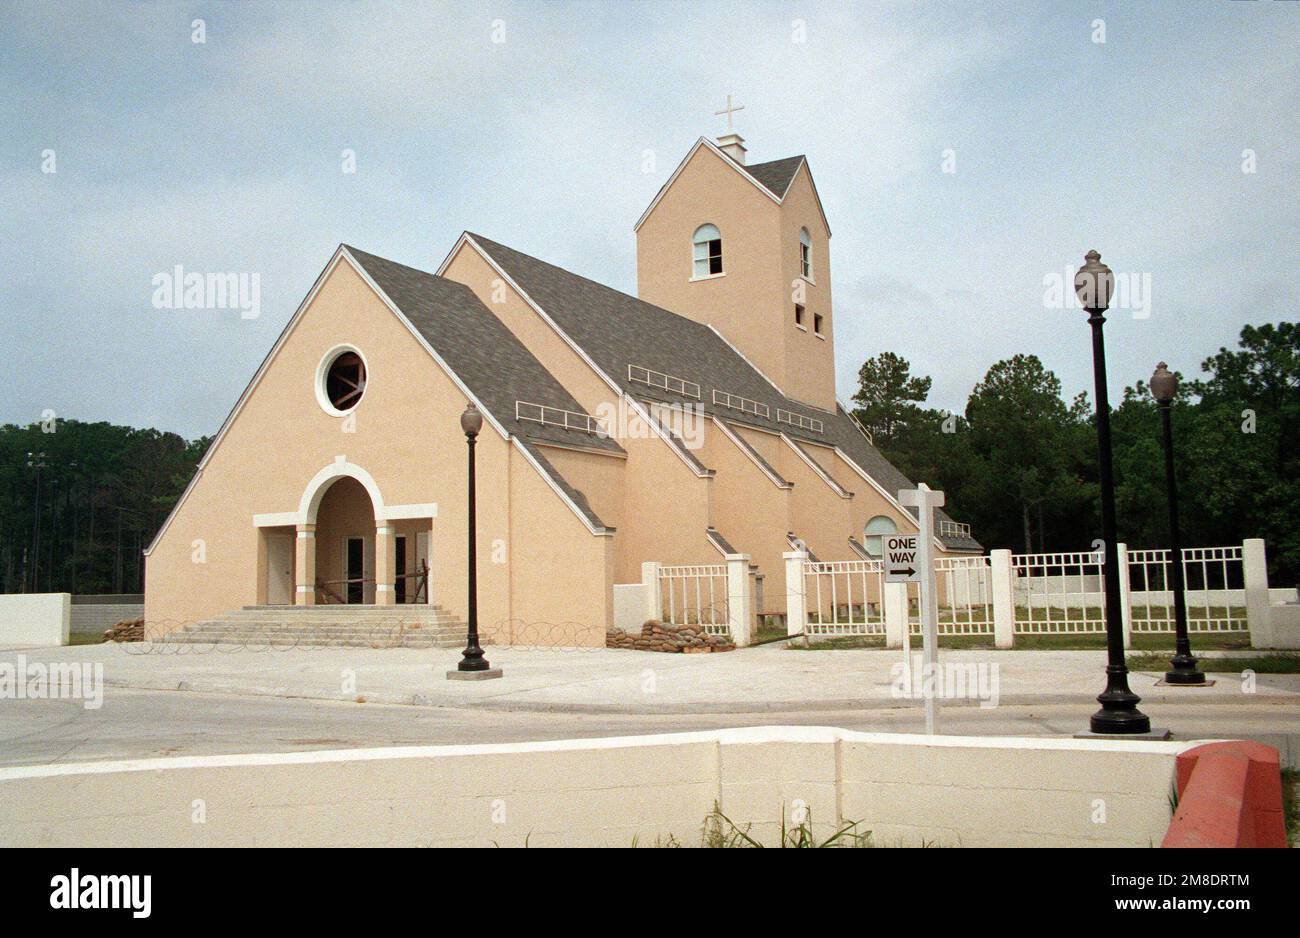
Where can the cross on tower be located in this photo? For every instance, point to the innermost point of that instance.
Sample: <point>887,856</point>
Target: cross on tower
<point>729,110</point>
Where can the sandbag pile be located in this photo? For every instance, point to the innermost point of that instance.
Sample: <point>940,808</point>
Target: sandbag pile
<point>128,630</point>
<point>673,639</point>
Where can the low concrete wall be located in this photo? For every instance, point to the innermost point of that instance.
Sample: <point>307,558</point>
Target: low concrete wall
<point>35,618</point>
<point>93,614</point>
<point>629,606</point>
<point>905,789</point>
<point>1283,628</point>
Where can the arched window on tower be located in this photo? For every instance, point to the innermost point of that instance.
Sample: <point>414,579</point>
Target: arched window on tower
<point>805,254</point>
<point>707,251</point>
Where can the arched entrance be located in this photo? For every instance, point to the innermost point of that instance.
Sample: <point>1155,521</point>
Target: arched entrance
<point>354,548</point>
<point>345,543</point>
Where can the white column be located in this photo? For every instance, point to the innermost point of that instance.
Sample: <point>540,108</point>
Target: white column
<point>305,565</point>
<point>740,601</point>
<point>1125,603</point>
<point>654,601</point>
<point>1254,569</point>
<point>385,564</point>
<point>1003,576</point>
<point>896,610</point>
<point>796,606</point>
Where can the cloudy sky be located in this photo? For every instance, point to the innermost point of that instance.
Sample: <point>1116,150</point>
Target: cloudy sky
<point>529,123</point>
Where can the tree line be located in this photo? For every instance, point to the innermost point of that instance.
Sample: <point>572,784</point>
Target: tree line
<point>79,502</point>
<point>1020,464</point>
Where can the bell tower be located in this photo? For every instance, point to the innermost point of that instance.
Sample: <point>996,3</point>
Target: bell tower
<point>745,248</point>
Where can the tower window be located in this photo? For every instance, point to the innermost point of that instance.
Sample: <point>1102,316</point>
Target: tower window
<point>798,314</point>
<point>817,323</point>
<point>707,251</point>
<point>805,254</point>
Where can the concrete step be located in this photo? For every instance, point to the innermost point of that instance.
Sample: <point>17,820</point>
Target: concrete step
<point>408,626</point>
<point>327,633</point>
<point>339,623</point>
<point>405,641</point>
<point>340,609</point>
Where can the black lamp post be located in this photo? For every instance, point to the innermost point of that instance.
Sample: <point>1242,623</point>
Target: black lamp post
<point>1164,387</point>
<point>471,421</point>
<point>35,461</point>
<point>1119,713</point>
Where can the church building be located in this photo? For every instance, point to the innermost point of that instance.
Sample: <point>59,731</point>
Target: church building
<point>695,420</point>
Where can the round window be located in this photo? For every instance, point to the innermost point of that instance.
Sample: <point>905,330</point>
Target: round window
<point>874,533</point>
<point>341,381</point>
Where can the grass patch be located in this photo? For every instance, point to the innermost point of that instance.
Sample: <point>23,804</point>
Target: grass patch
<point>1260,664</point>
<point>1219,641</point>
<point>1151,643</point>
<point>720,832</point>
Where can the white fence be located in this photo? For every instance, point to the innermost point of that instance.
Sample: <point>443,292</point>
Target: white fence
<point>695,594</point>
<point>1004,595</point>
<point>1057,594</point>
<point>1062,594</point>
<point>844,597</point>
<point>1214,588</point>
<point>718,598</point>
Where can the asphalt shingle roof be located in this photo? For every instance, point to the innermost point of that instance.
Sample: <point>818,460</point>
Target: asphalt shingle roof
<point>617,330</point>
<point>486,355</point>
<point>776,175</point>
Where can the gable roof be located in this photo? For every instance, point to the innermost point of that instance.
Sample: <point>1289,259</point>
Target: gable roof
<point>772,179</point>
<point>775,176</point>
<point>615,330</point>
<point>481,350</point>
<point>426,302</point>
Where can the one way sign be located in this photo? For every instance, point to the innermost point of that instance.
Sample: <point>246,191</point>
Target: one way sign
<point>901,558</point>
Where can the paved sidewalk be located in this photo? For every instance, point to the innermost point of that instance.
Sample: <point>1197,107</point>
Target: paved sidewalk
<point>754,680</point>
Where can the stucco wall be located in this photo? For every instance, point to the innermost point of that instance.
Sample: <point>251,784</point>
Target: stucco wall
<point>708,191</point>
<point>405,434</point>
<point>752,303</point>
<point>810,360</point>
<point>35,618</point>
<point>818,513</point>
<point>750,511</point>
<point>947,790</point>
<point>665,505</point>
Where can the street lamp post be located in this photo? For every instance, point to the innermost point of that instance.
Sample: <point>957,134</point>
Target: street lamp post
<point>1119,714</point>
<point>1164,387</point>
<point>472,665</point>
<point>36,461</point>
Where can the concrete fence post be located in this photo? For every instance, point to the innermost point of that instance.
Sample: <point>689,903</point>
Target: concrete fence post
<point>1254,570</point>
<point>740,600</point>
<point>1125,603</point>
<point>1002,573</point>
<point>654,602</point>
<point>896,613</point>
<point>796,605</point>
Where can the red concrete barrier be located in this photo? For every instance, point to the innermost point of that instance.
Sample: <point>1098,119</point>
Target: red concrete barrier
<point>1229,795</point>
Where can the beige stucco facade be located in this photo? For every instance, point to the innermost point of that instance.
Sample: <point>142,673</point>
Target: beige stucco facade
<point>292,493</point>
<point>752,301</point>
<point>395,466</point>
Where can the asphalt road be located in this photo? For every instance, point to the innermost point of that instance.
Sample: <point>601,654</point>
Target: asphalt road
<point>150,724</point>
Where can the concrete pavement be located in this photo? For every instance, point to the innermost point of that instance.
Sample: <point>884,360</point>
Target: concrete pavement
<point>139,724</point>
<point>769,678</point>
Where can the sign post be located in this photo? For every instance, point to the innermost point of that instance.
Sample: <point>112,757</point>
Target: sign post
<point>925,500</point>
